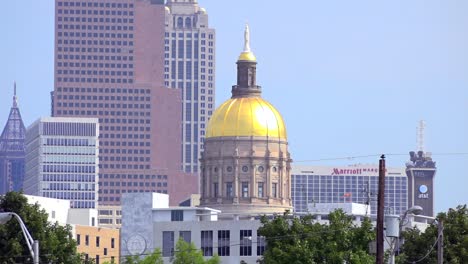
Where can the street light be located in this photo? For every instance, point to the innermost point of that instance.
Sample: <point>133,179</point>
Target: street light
<point>33,245</point>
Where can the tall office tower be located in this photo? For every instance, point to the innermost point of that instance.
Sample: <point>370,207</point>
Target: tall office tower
<point>62,160</point>
<point>421,170</point>
<point>109,63</point>
<point>12,151</point>
<point>190,66</point>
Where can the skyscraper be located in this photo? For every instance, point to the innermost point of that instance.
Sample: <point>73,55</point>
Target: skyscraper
<point>109,57</point>
<point>62,160</point>
<point>12,150</point>
<point>190,66</point>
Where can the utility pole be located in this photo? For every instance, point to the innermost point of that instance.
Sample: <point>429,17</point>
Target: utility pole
<point>440,242</point>
<point>380,212</point>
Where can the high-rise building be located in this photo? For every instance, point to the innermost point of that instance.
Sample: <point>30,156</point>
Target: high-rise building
<point>62,160</point>
<point>245,166</point>
<point>190,67</point>
<point>109,63</point>
<point>421,170</point>
<point>348,184</point>
<point>12,151</point>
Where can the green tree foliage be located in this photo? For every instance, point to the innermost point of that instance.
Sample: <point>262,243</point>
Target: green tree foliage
<point>153,258</point>
<point>417,244</point>
<point>302,240</point>
<point>55,242</point>
<point>187,253</point>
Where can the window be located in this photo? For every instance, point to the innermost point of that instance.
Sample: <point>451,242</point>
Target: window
<point>207,243</point>
<point>274,190</point>
<point>215,189</point>
<point>105,251</point>
<point>186,236</point>
<point>78,239</point>
<point>112,242</point>
<point>246,242</point>
<point>177,215</point>
<point>229,189</point>
<point>260,189</point>
<point>261,244</point>
<point>223,242</point>
<point>93,221</point>
<point>168,243</point>
<point>245,189</point>
<point>97,241</point>
<point>97,259</point>
<point>87,240</point>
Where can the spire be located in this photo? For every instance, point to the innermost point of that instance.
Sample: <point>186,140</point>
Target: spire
<point>15,98</point>
<point>247,38</point>
<point>247,54</point>
<point>246,71</point>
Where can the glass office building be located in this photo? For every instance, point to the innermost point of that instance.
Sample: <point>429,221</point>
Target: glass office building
<point>357,184</point>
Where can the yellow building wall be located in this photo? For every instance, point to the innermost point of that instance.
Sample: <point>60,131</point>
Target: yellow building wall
<point>100,244</point>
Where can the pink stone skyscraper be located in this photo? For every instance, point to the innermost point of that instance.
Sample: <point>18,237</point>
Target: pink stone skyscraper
<point>109,57</point>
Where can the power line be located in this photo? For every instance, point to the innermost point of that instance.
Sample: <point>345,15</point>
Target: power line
<point>378,155</point>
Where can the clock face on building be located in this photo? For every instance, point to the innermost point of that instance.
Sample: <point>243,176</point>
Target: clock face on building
<point>423,188</point>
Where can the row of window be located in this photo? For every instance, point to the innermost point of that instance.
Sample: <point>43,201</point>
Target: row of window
<point>105,90</point>
<point>91,178</point>
<point>124,176</point>
<point>125,166</point>
<point>224,243</point>
<point>129,184</point>
<point>95,19</point>
<point>114,28</point>
<point>109,221</point>
<point>94,80</point>
<point>98,240</point>
<point>101,113</point>
<point>245,190</point>
<point>104,198</point>
<point>95,12</point>
<point>95,4</point>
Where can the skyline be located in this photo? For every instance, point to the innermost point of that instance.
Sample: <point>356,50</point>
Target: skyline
<point>342,60</point>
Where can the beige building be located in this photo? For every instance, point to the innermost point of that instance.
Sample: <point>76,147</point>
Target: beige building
<point>245,166</point>
<point>100,244</point>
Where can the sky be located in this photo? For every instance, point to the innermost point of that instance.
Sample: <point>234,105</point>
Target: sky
<point>351,78</point>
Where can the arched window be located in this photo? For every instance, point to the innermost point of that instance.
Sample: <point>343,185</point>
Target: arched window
<point>180,22</point>
<point>188,22</point>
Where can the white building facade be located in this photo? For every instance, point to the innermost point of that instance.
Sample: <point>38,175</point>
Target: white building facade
<point>148,223</point>
<point>62,160</point>
<point>190,66</point>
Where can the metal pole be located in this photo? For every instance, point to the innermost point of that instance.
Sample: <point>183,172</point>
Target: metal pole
<point>380,212</point>
<point>36,252</point>
<point>440,242</point>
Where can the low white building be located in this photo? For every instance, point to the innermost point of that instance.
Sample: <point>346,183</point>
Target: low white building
<point>148,223</point>
<point>60,211</point>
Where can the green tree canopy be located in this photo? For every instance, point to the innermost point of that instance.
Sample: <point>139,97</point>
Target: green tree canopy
<point>153,258</point>
<point>302,240</point>
<point>419,244</point>
<point>187,253</point>
<point>56,244</point>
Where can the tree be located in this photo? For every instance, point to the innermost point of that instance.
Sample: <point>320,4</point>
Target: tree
<point>418,244</point>
<point>153,258</point>
<point>56,244</point>
<point>303,240</point>
<point>187,253</point>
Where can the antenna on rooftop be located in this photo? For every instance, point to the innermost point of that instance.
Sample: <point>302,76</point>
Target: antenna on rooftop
<point>420,135</point>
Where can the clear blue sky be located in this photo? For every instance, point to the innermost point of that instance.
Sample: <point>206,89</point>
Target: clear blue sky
<point>350,77</point>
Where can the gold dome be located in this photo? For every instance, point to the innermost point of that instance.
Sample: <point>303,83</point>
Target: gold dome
<point>247,56</point>
<point>245,117</point>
